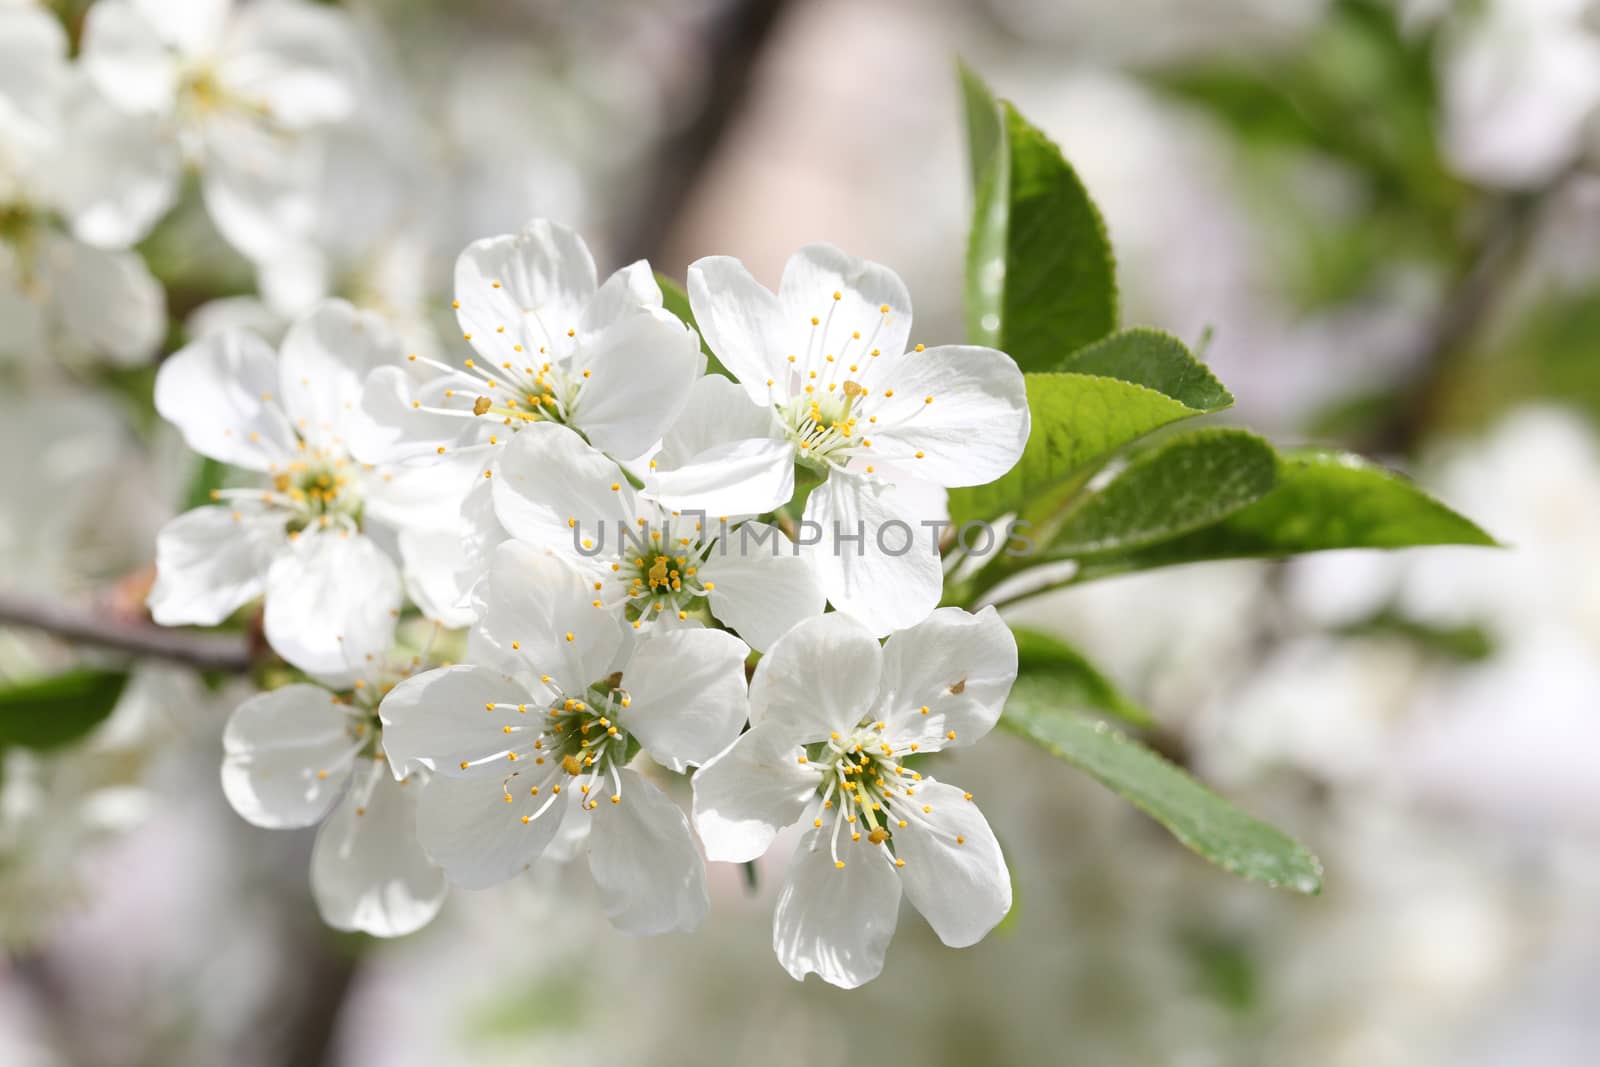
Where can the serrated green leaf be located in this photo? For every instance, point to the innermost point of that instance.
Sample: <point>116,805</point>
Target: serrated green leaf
<point>1323,500</point>
<point>1182,485</point>
<point>1060,673</point>
<point>1041,280</point>
<point>1155,360</point>
<point>58,710</point>
<point>1197,817</point>
<point>1078,421</point>
<point>675,300</point>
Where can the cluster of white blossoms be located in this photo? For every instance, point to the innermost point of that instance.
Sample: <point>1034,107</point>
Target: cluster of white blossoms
<point>94,148</point>
<point>619,533</point>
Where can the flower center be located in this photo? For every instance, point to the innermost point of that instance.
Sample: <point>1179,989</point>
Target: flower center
<point>657,582</point>
<point>319,491</point>
<point>823,426</point>
<point>866,786</point>
<point>573,743</point>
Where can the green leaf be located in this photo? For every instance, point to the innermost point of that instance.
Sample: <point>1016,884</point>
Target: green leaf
<point>1197,817</point>
<point>1323,500</point>
<point>1053,670</point>
<point>1181,485</point>
<point>675,300</point>
<point>1078,420</point>
<point>58,710</point>
<point>1041,280</point>
<point>984,135</point>
<point>1466,644</point>
<point>1155,360</point>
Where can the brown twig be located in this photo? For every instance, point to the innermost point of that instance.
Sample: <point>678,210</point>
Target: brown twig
<point>1469,303</point>
<point>732,41</point>
<point>207,652</point>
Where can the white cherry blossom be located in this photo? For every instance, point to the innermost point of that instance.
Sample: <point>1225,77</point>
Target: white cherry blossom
<point>241,91</point>
<point>858,413</point>
<point>78,184</point>
<point>650,565</point>
<point>541,732</point>
<point>833,717</point>
<point>303,755</point>
<point>300,538</point>
<point>550,344</point>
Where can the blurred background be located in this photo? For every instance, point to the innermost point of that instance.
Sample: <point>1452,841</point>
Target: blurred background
<point>1380,220</point>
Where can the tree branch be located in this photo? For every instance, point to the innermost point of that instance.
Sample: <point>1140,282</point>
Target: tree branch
<point>1468,304</point>
<point>207,652</point>
<point>734,38</point>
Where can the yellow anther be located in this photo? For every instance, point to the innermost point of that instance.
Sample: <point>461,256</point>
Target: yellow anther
<point>481,405</point>
<point>573,768</point>
<point>839,864</point>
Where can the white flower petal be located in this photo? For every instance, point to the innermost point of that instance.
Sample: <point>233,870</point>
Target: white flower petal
<point>747,477</point>
<point>723,455</point>
<point>963,889</point>
<point>209,563</point>
<point>299,62</point>
<point>33,67</point>
<point>538,602</point>
<point>466,826</point>
<point>741,321</point>
<point>128,59</point>
<point>248,313</point>
<point>819,678</point>
<point>218,391</point>
<point>748,792</point>
<point>325,361</point>
<point>104,302</point>
<point>624,293</point>
<point>116,175</point>
<point>760,586</point>
<point>439,719</point>
<point>649,874</point>
<point>534,284</point>
<point>425,497</point>
<point>687,694</point>
<point>261,193</point>
<point>718,412</point>
<point>393,424</point>
<point>875,559</point>
<point>332,599</point>
<point>640,371</point>
<point>368,872</point>
<point>811,278</point>
<point>959,415</point>
<point>832,921</point>
<point>553,491</point>
<point>922,666</point>
<point>287,756</point>
<point>193,27</point>
<point>439,575</point>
